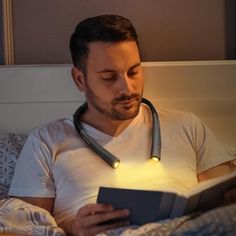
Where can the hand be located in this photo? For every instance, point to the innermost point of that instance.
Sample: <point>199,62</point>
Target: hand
<point>230,195</point>
<point>88,219</point>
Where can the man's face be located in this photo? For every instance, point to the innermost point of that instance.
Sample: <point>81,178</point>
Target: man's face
<point>114,82</point>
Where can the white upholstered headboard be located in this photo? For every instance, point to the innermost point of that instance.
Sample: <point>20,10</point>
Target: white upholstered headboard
<point>34,95</point>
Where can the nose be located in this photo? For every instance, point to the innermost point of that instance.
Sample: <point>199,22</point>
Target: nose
<point>125,85</point>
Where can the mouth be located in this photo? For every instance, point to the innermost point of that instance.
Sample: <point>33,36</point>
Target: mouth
<point>127,104</point>
<point>128,101</point>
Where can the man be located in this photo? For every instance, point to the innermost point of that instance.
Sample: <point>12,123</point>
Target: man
<point>58,172</point>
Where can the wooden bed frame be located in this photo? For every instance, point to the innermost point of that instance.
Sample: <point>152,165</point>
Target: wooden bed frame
<point>33,95</point>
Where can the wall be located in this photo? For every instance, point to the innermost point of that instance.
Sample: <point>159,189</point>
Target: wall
<point>53,94</point>
<point>168,29</point>
<point>1,37</point>
<point>230,28</point>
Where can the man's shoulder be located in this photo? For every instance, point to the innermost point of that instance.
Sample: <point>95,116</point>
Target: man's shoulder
<point>173,113</point>
<point>177,118</point>
<point>57,128</point>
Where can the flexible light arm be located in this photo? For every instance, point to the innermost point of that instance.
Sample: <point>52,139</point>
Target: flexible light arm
<point>108,157</point>
<point>156,134</point>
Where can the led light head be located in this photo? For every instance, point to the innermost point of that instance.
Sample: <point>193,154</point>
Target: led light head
<point>155,158</point>
<point>116,164</point>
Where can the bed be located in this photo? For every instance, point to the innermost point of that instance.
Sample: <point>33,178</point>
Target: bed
<point>33,95</point>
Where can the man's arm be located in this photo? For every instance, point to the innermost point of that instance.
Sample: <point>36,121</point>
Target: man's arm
<point>217,171</point>
<point>91,219</point>
<point>225,168</point>
<point>45,203</point>
<point>87,219</point>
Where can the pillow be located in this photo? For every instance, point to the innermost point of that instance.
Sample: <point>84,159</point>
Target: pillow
<point>10,147</point>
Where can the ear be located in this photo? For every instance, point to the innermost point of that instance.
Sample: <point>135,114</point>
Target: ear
<point>78,77</point>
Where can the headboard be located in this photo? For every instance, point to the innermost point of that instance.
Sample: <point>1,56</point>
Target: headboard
<point>35,95</point>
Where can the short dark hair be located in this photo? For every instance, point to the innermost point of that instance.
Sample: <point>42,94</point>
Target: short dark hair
<point>103,28</point>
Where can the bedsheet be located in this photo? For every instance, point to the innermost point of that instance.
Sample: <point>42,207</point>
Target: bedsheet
<point>218,222</point>
<point>19,217</point>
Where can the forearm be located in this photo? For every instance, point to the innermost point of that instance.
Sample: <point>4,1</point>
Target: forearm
<point>217,171</point>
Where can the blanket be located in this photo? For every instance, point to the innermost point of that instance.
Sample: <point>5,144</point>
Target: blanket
<point>219,221</point>
<point>19,217</point>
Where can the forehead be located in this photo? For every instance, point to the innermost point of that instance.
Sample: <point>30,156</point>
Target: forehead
<point>119,55</point>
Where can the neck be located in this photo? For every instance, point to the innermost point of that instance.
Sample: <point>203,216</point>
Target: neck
<point>103,123</point>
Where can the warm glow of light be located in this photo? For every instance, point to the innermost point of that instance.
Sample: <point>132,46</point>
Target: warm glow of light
<point>139,175</point>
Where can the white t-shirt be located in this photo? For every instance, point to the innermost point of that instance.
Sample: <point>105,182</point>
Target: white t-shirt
<point>56,163</point>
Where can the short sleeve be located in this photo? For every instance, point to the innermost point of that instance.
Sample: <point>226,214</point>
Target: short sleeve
<point>209,151</point>
<point>32,175</point>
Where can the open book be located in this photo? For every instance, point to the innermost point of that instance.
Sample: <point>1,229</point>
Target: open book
<point>148,206</point>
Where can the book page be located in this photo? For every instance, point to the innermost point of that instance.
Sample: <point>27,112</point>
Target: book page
<point>209,183</point>
<point>210,194</point>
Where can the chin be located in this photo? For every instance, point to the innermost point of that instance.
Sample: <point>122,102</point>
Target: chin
<point>127,115</point>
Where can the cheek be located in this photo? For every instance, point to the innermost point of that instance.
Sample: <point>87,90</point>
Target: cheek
<point>103,93</point>
<point>140,84</point>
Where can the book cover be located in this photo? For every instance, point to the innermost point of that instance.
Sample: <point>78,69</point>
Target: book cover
<point>148,206</point>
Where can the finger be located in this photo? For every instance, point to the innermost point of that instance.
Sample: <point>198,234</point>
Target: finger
<point>90,209</point>
<point>109,215</point>
<point>93,220</point>
<point>93,214</point>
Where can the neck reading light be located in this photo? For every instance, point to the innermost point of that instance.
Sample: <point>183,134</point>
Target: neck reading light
<point>108,157</point>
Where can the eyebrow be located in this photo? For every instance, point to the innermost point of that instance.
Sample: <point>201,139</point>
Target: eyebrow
<point>109,70</point>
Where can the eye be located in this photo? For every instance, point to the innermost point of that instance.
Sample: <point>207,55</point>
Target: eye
<point>132,73</point>
<point>109,78</point>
